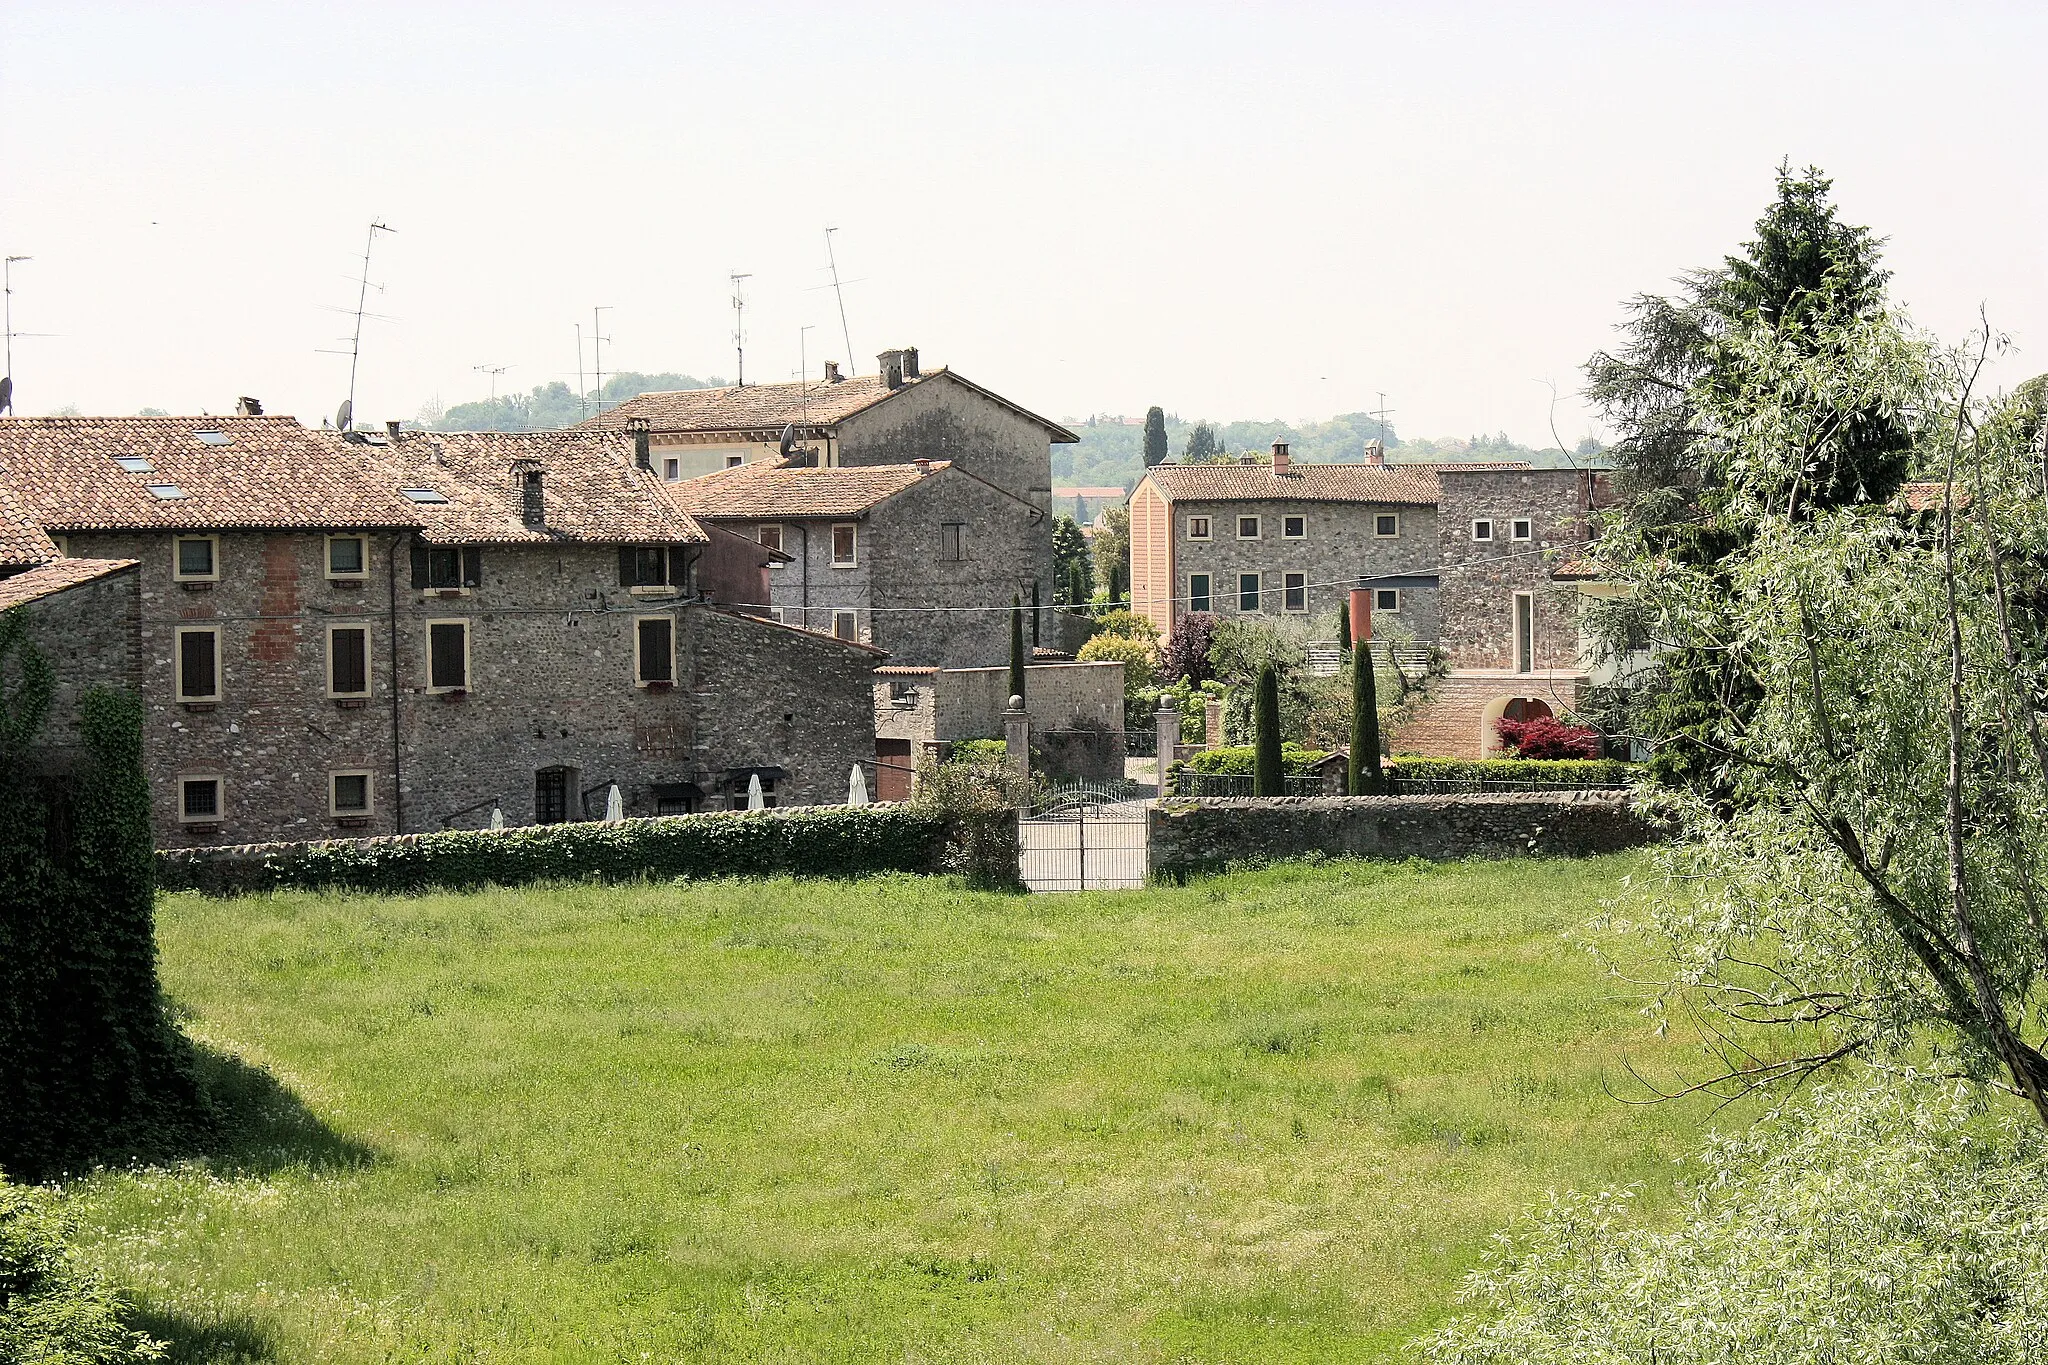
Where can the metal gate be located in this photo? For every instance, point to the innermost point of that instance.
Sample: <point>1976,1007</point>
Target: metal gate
<point>1083,846</point>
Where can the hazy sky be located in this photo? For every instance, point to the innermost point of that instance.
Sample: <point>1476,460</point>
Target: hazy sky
<point>1257,211</point>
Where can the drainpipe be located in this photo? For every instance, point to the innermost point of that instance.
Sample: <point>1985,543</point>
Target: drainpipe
<point>803,530</point>
<point>397,759</point>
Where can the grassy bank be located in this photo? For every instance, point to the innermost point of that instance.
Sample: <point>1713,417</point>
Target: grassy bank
<point>1267,1117</point>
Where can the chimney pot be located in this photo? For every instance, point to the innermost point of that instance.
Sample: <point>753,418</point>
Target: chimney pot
<point>1375,453</point>
<point>890,365</point>
<point>248,407</point>
<point>1281,464</point>
<point>642,456</point>
<point>923,466</point>
<point>533,508</point>
<point>910,370</point>
<point>832,375</point>
<point>391,429</point>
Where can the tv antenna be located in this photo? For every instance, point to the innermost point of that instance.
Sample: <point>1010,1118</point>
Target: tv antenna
<point>7,375</point>
<point>839,294</point>
<point>345,419</point>
<point>493,371</point>
<point>582,394</point>
<point>803,360</point>
<point>597,341</point>
<point>1382,412</point>
<point>739,323</point>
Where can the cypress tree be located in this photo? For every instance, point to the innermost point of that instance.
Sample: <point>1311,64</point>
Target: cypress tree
<point>1155,436</point>
<point>1016,646</point>
<point>1344,627</point>
<point>1266,769</point>
<point>1365,778</point>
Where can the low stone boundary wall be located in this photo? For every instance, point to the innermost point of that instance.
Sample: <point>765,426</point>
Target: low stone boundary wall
<point>1196,836</point>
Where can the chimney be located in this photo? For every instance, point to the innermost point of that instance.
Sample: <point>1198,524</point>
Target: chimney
<point>832,375</point>
<point>924,467</point>
<point>1280,460</point>
<point>1375,453</point>
<point>910,370</point>
<point>533,508</point>
<point>890,364</point>
<point>248,407</point>
<point>642,456</point>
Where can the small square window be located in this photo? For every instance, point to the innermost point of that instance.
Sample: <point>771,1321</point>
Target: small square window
<point>1482,530</point>
<point>1294,592</point>
<point>348,793</point>
<point>671,470</point>
<point>447,656</point>
<point>1198,592</point>
<point>1386,525</point>
<point>1198,528</point>
<point>1247,592</point>
<point>1247,528</point>
<point>166,492</point>
<point>654,650</point>
<point>1386,599</point>
<point>347,557</point>
<point>845,546</point>
<point>135,464</point>
<point>199,800</point>
<point>846,626</point>
<point>735,461</point>
<point>196,559</point>
<point>1294,528</point>
<point>771,535</point>
<point>1522,528</point>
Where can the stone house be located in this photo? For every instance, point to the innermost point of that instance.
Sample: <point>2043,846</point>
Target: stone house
<point>921,711</point>
<point>922,559</point>
<point>396,633</point>
<point>81,617</point>
<point>1285,539</point>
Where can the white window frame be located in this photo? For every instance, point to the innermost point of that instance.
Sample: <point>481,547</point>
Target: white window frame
<point>1286,587</point>
<point>1207,525</point>
<point>220,798</point>
<point>1258,526</point>
<point>1517,663</point>
<point>468,665</point>
<point>1521,528</point>
<point>852,562</point>
<point>761,533</point>
<point>1302,534</point>
<point>1479,536</point>
<point>1208,591</point>
<point>369,670</point>
<point>345,576</point>
<point>178,635</point>
<point>671,469</point>
<point>1380,598</point>
<point>639,678</point>
<point>849,616</point>
<point>369,807</point>
<point>178,575</point>
<point>1378,517</point>
<point>1258,592</point>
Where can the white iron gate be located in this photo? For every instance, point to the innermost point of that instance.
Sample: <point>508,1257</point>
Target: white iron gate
<point>1083,846</point>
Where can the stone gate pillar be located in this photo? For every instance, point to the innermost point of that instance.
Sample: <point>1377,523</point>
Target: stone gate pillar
<point>1167,722</point>
<point>1017,738</point>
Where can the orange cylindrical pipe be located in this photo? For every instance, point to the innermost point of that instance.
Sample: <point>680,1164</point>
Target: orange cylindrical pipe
<point>1361,615</point>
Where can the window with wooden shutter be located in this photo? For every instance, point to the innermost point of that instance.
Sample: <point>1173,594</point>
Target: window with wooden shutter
<point>447,656</point>
<point>654,650</point>
<point>198,663</point>
<point>348,661</point>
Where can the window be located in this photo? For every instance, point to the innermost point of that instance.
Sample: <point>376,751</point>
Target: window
<point>1386,525</point>
<point>199,800</point>
<point>771,536</point>
<point>672,470</point>
<point>846,626</point>
<point>1198,592</point>
<point>1247,528</point>
<point>348,661</point>
<point>1482,529</point>
<point>447,656</point>
<point>654,650</point>
<point>551,795</point>
<point>1525,633</point>
<point>1294,528</point>
<point>736,790</point>
<point>643,566</point>
<point>443,567</point>
<point>1294,592</point>
<point>1386,599</point>
<point>348,557</point>
<point>735,461</point>
<point>952,541</point>
<point>426,497</point>
<point>845,545</point>
<point>1247,592</point>
<point>1198,528</point>
<point>212,438</point>
<point>195,559</point>
<point>1521,531</point>
<point>63,544</point>
<point>198,663</point>
<point>166,492</point>
<point>348,793</point>
<point>135,464</point>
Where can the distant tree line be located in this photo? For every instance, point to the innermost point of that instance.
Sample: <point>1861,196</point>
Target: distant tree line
<point>551,406</point>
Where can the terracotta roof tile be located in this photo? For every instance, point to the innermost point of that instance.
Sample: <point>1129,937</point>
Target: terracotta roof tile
<point>591,489</point>
<point>21,540</point>
<point>764,491</point>
<point>770,407</point>
<point>1410,485</point>
<point>54,577</point>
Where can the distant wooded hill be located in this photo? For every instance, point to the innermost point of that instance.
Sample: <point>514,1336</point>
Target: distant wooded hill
<point>552,406</point>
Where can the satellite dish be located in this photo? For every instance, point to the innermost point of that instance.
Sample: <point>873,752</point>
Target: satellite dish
<point>6,393</point>
<point>788,439</point>
<point>342,415</point>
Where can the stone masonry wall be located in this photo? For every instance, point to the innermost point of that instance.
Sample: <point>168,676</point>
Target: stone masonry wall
<point>1479,579</point>
<point>998,553</point>
<point>1338,550</point>
<point>87,633</point>
<point>971,701</point>
<point>1190,837</point>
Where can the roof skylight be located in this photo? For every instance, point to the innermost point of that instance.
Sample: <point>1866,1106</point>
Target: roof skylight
<point>426,495</point>
<point>135,464</point>
<point>168,492</point>
<point>212,438</point>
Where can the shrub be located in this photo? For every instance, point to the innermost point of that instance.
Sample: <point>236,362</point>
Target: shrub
<point>975,800</point>
<point>979,751</point>
<point>1548,737</point>
<point>1140,659</point>
<point>1186,655</point>
<point>1571,772</point>
<point>52,1308</point>
<point>1239,760</point>
<point>1127,624</point>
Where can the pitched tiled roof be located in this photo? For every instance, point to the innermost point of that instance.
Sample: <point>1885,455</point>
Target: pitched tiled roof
<point>257,472</point>
<point>1411,485</point>
<point>591,490</point>
<point>21,540</point>
<point>765,490</point>
<point>771,407</point>
<point>55,576</point>
<point>1927,496</point>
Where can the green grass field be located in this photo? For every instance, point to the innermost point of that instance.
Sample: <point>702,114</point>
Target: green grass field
<point>1267,1117</point>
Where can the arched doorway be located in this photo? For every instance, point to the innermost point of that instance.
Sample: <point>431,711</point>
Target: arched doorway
<point>1507,708</point>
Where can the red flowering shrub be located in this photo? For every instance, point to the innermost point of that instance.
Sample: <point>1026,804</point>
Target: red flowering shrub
<point>1548,737</point>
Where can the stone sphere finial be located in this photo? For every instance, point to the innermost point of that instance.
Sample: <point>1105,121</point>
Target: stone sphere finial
<point>1016,703</point>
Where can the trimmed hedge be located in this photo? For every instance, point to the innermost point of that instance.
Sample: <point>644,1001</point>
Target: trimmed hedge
<point>1545,772</point>
<point>1237,760</point>
<point>814,841</point>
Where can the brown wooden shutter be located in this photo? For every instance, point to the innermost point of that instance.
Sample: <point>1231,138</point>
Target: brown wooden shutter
<point>419,562</point>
